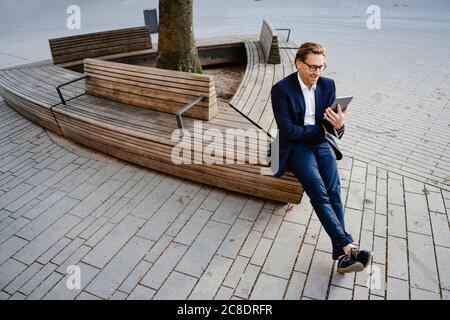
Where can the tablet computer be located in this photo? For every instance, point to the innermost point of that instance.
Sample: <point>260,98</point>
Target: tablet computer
<point>342,101</point>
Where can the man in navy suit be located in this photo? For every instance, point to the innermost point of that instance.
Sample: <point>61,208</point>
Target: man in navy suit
<point>301,105</point>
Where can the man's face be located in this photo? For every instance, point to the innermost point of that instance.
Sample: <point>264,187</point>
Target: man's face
<point>310,77</point>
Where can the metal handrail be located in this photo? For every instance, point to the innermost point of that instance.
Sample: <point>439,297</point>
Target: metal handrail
<point>289,33</point>
<point>183,110</point>
<point>58,88</point>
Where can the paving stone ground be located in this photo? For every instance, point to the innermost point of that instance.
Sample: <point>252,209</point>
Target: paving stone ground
<point>135,233</point>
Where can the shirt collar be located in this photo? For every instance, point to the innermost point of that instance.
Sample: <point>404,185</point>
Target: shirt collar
<point>304,86</point>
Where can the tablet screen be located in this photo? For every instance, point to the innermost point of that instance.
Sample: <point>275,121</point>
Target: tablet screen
<point>342,101</point>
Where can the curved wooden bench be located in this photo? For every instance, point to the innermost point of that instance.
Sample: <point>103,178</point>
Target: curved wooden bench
<point>31,92</point>
<point>151,88</point>
<point>252,98</point>
<point>107,45</point>
<point>137,134</point>
<point>143,136</point>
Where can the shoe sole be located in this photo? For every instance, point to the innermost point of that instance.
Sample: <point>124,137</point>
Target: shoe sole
<point>356,267</point>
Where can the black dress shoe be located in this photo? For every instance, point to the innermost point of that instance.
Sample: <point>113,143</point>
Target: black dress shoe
<point>363,256</point>
<point>346,263</point>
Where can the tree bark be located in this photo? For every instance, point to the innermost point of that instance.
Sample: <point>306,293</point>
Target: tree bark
<point>176,45</point>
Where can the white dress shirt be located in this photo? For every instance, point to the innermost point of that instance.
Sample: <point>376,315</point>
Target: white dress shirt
<point>310,105</point>
<point>310,102</point>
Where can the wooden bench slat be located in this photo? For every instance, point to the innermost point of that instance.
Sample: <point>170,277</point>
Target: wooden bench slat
<point>249,89</point>
<point>149,72</point>
<point>212,173</point>
<point>156,92</point>
<point>147,102</point>
<point>82,37</point>
<point>85,41</point>
<point>154,82</point>
<point>47,80</point>
<point>101,52</point>
<point>158,124</point>
<point>23,91</point>
<point>95,45</point>
<point>109,85</point>
<point>261,74</point>
<point>116,57</point>
<point>155,131</point>
<point>30,110</point>
<point>235,101</point>
<point>41,86</point>
<point>269,43</point>
<point>121,41</point>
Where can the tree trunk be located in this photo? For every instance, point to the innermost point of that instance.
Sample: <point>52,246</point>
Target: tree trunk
<point>176,45</point>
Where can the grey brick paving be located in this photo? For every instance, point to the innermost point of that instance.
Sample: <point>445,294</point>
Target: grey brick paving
<point>10,247</point>
<point>235,238</point>
<point>443,260</point>
<point>135,277</point>
<point>209,283</point>
<point>163,266</point>
<point>230,208</point>
<point>141,293</point>
<point>224,293</point>
<point>74,258</point>
<point>304,258</point>
<point>53,251</point>
<point>337,293</point>
<point>193,227</point>
<point>247,281</point>
<point>416,207</point>
<point>10,270</point>
<point>177,287</point>
<point>418,294</point>
<point>140,234</point>
<point>316,286</point>
<point>62,292</point>
<point>115,272</point>
<point>119,295</point>
<point>397,289</point>
<point>37,279</point>
<point>261,252</point>
<point>422,262</point>
<point>45,286</point>
<point>269,287</point>
<point>111,244</point>
<point>202,250</point>
<point>46,239</point>
<point>281,258</point>
<point>46,219</point>
<point>250,244</point>
<point>158,248</point>
<point>236,272</point>
<point>296,285</point>
<point>20,280</point>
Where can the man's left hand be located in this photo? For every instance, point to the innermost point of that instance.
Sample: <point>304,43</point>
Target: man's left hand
<point>336,119</point>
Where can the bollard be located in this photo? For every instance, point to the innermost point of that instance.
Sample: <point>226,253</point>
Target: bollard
<point>151,20</point>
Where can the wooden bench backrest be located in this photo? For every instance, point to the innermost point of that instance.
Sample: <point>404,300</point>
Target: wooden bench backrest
<point>151,88</point>
<point>269,43</point>
<point>99,44</point>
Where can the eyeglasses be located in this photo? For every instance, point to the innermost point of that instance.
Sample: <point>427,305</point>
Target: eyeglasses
<point>313,68</point>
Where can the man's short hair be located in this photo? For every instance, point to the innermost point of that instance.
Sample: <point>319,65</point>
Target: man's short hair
<point>310,47</point>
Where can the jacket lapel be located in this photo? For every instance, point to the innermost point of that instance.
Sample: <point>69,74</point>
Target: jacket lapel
<point>299,94</point>
<point>319,111</point>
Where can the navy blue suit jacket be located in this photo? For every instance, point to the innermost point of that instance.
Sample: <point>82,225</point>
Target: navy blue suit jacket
<point>288,106</point>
